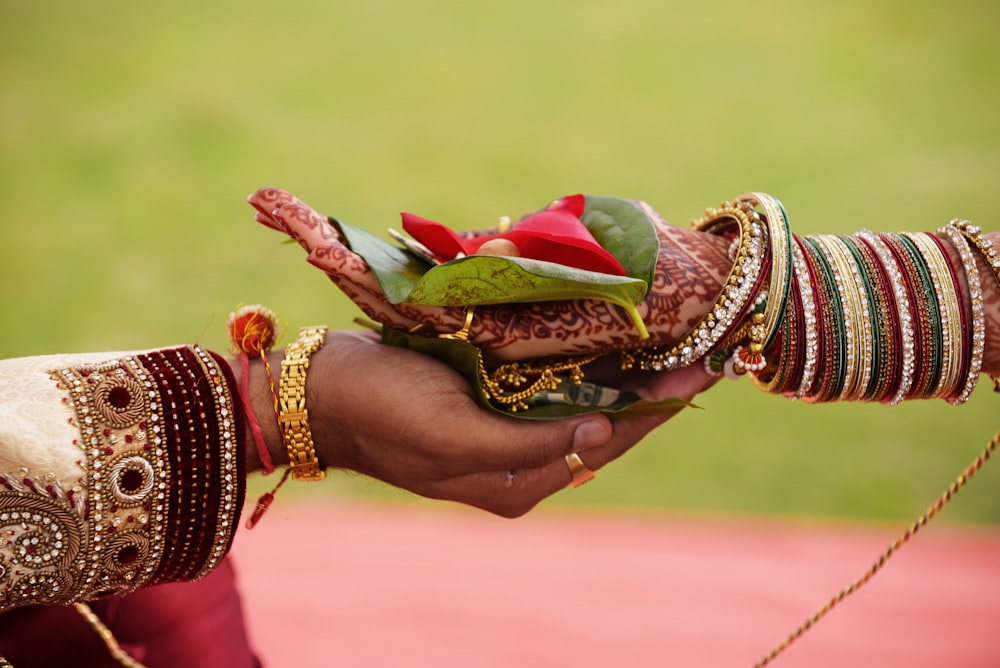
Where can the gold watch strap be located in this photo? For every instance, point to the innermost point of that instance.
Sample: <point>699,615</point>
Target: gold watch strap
<point>293,417</point>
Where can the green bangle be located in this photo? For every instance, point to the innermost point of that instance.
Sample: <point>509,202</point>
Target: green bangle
<point>927,326</point>
<point>850,304</point>
<point>832,362</point>
<point>879,375</point>
<point>951,327</point>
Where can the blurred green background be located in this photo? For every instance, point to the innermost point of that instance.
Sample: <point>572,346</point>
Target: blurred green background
<point>131,134</point>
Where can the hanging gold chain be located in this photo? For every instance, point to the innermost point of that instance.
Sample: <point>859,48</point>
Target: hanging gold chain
<point>120,655</point>
<point>504,384</point>
<point>942,500</point>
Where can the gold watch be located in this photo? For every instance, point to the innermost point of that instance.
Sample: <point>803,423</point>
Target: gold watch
<point>293,417</point>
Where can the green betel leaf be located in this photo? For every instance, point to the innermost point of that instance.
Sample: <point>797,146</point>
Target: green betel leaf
<point>397,270</point>
<point>490,279</point>
<point>625,230</point>
<point>486,279</point>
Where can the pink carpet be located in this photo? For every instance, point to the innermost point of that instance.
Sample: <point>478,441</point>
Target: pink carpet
<point>353,584</point>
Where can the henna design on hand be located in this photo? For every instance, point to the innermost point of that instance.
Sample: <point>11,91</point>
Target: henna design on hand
<point>690,271</point>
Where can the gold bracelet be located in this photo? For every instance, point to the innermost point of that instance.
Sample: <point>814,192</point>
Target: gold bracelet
<point>293,417</point>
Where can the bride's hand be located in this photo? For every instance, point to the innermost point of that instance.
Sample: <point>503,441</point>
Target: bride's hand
<point>690,271</point>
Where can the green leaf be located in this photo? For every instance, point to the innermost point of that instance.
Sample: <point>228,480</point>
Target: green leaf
<point>666,408</point>
<point>626,231</point>
<point>396,269</point>
<point>488,279</point>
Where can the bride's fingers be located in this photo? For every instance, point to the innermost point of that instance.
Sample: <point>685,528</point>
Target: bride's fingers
<point>344,267</point>
<point>309,227</point>
<point>266,201</point>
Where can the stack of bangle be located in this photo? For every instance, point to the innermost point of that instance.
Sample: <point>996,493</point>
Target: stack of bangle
<point>862,317</point>
<point>880,318</point>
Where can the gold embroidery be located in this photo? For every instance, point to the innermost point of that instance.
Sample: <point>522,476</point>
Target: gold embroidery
<point>108,534</point>
<point>40,550</point>
<point>120,420</point>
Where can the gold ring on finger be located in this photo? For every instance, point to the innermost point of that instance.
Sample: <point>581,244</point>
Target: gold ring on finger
<point>578,470</point>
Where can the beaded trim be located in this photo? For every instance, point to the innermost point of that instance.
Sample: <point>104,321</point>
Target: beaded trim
<point>120,418</point>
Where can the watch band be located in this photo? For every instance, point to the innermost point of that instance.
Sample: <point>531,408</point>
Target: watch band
<point>293,417</point>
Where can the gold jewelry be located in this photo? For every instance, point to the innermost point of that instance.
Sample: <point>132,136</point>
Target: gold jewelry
<point>986,249</point>
<point>809,319</point>
<point>578,470</point>
<point>504,384</point>
<point>119,654</point>
<point>899,291</point>
<point>780,241</point>
<point>293,417</point>
<point>730,305</point>
<point>951,318</point>
<point>984,246</point>
<point>852,333</point>
<point>462,334</point>
<point>964,247</point>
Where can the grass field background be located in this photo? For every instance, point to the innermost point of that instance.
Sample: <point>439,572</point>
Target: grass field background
<point>131,134</point>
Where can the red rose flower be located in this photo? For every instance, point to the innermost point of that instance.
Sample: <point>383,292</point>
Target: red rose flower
<point>553,235</point>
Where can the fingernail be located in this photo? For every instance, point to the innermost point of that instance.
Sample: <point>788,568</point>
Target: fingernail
<point>591,434</point>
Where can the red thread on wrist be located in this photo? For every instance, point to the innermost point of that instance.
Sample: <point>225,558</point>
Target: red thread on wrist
<point>253,330</point>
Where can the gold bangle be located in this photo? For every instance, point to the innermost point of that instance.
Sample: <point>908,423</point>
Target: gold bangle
<point>951,318</point>
<point>852,309</point>
<point>293,417</point>
<point>739,289</point>
<point>780,241</point>
<point>974,284</point>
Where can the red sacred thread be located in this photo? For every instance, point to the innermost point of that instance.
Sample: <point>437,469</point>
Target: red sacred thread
<point>265,500</point>
<point>253,330</point>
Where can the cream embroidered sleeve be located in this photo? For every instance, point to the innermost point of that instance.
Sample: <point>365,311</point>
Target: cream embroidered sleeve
<point>117,471</point>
